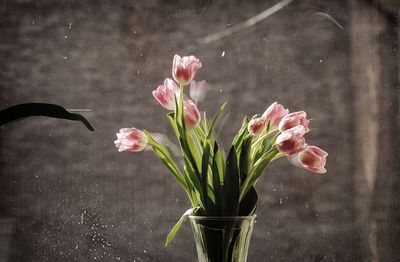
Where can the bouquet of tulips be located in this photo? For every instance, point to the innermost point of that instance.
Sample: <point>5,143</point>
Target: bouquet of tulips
<point>217,184</point>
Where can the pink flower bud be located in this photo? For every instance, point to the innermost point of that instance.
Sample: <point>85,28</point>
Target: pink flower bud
<point>184,69</point>
<point>291,141</point>
<point>131,139</point>
<point>256,126</point>
<point>165,94</point>
<point>274,114</point>
<point>294,119</point>
<point>191,114</point>
<point>313,159</point>
<point>198,90</point>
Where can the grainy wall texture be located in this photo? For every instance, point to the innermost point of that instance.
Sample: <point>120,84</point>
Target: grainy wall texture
<point>67,195</point>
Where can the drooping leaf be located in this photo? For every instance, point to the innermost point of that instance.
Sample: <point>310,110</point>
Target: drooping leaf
<point>231,187</point>
<point>20,111</point>
<point>166,158</point>
<point>177,226</point>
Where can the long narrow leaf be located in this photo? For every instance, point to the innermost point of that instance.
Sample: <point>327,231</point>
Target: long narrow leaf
<point>238,139</point>
<point>245,158</point>
<point>231,190</point>
<point>248,205</point>
<point>216,119</point>
<point>166,158</point>
<point>216,182</point>
<point>256,171</point>
<point>204,178</point>
<point>177,226</point>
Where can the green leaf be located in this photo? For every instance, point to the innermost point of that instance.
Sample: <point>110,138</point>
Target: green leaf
<point>204,178</point>
<point>193,175</point>
<point>238,139</point>
<point>177,226</point>
<point>261,150</point>
<point>191,161</point>
<point>245,158</point>
<point>256,170</point>
<point>216,182</point>
<point>248,204</point>
<point>192,148</point>
<point>171,120</point>
<point>216,119</point>
<point>206,125</point>
<point>231,188</point>
<point>166,158</point>
<point>20,111</point>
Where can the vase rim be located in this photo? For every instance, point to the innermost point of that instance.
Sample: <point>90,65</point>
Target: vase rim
<point>222,217</point>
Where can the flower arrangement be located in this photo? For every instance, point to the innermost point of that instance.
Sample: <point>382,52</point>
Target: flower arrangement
<point>216,184</point>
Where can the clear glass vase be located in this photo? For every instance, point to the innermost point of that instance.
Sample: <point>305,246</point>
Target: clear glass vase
<point>222,239</point>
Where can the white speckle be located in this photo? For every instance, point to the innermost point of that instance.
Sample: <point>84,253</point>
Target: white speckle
<point>307,206</point>
<point>223,53</point>
<point>82,217</point>
<point>138,72</point>
<point>280,201</point>
<point>145,251</point>
<point>321,60</point>
<point>220,90</point>
<point>65,57</point>
<point>36,176</point>
<point>118,258</point>
<point>76,247</point>
<point>65,36</point>
<point>70,25</point>
<point>33,22</point>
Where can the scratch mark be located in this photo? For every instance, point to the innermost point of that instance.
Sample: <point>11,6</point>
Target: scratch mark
<point>330,18</point>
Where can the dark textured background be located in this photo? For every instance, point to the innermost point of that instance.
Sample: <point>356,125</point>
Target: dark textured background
<point>67,195</point>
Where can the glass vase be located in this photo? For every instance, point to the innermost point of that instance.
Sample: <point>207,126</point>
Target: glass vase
<point>222,239</point>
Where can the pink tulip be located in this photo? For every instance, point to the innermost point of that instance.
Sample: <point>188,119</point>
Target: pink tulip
<point>313,159</point>
<point>256,126</point>
<point>191,114</point>
<point>165,94</point>
<point>131,139</point>
<point>291,141</point>
<point>294,119</point>
<point>274,114</point>
<point>198,90</point>
<point>184,69</point>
